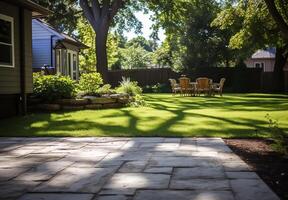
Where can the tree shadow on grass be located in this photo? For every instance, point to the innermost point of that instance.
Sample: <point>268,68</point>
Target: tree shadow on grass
<point>176,124</point>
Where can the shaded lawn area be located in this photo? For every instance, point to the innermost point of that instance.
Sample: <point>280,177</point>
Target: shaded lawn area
<point>231,116</point>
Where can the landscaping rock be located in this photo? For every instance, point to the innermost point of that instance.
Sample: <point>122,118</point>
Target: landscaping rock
<point>101,100</point>
<point>117,96</point>
<point>49,107</point>
<point>112,105</point>
<point>72,107</point>
<point>94,106</point>
<point>72,102</point>
<point>123,100</point>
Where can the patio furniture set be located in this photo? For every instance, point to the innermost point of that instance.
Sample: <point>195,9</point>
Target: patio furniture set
<point>202,85</point>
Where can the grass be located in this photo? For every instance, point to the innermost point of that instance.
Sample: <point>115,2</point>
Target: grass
<point>231,116</point>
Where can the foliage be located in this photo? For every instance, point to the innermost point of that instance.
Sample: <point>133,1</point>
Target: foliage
<point>138,101</point>
<point>278,135</point>
<point>251,25</point>
<point>105,89</point>
<point>129,87</point>
<point>140,41</point>
<point>162,57</point>
<point>157,88</point>
<point>65,14</point>
<point>192,41</point>
<point>52,87</point>
<point>89,83</point>
<point>135,57</point>
<point>86,34</point>
<point>87,59</point>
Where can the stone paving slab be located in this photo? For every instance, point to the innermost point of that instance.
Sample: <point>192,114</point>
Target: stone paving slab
<point>89,180</point>
<point>135,181</point>
<point>95,168</point>
<point>247,189</point>
<point>183,195</point>
<point>62,196</point>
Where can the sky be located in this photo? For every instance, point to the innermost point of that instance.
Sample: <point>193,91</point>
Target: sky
<point>146,30</point>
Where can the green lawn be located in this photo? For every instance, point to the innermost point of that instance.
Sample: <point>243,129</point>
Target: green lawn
<point>234,115</point>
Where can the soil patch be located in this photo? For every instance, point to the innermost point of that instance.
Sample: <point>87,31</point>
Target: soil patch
<point>268,164</point>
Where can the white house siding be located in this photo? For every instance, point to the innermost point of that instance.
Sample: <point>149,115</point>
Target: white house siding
<point>268,63</point>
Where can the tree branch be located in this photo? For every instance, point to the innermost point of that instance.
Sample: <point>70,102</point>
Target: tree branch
<point>116,5</point>
<point>105,7</point>
<point>283,26</point>
<point>96,9</point>
<point>88,13</point>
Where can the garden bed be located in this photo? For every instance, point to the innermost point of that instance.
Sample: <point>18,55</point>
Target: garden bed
<point>268,164</point>
<point>87,102</point>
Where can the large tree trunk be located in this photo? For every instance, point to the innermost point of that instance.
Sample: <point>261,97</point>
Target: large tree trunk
<point>101,54</point>
<point>100,15</point>
<point>280,61</point>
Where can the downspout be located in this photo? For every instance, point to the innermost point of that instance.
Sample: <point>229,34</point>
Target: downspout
<point>51,45</point>
<point>23,96</point>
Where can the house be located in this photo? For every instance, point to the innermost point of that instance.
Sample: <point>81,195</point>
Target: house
<point>56,50</point>
<point>264,59</point>
<point>16,53</point>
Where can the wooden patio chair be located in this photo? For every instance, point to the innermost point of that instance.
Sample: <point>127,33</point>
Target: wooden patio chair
<point>218,87</point>
<point>203,85</point>
<point>185,86</point>
<point>174,86</point>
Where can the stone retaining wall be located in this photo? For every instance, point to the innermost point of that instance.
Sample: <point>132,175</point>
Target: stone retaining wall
<point>88,102</point>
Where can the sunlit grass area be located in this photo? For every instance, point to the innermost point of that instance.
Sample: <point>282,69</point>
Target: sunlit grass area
<point>234,115</point>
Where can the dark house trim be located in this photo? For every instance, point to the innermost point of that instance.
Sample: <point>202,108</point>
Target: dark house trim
<point>23,95</point>
<point>37,10</point>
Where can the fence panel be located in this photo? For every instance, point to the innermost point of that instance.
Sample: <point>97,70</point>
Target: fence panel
<point>237,80</point>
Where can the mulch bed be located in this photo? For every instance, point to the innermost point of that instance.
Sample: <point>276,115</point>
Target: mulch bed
<point>268,164</point>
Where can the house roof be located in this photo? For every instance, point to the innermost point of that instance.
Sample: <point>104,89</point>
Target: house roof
<point>37,10</point>
<point>64,37</point>
<point>267,54</point>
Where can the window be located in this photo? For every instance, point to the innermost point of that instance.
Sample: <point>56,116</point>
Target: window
<point>259,65</point>
<point>6,41</point>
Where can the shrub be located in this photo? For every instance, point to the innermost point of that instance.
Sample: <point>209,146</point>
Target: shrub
<point>105,89</point>
<point>157,88</point>
<point>52,87</point>
<point>138,101</point>
<point>129,87</point>
<point>89,83</point>
<point>278,135</point>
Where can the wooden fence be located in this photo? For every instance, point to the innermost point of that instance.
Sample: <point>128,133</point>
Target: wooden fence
<point>237,80</point>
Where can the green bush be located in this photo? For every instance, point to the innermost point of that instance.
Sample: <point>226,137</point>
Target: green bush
<point>138,101</point>
<point>129,87</point>
<point>52,87</point>
<point>158,88</point>
<point>278,135</point>
<point>90,83</point>
<point>105,89</point>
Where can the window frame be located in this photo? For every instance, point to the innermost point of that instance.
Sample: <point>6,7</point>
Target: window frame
<point>262,64</point>
<point>11,20</point>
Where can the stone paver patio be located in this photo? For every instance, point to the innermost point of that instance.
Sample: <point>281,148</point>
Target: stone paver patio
<point>125,169</point>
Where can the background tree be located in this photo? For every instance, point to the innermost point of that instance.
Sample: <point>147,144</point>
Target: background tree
<point>104,14</point>
<point>193,42</point>
<point>279,11</point>
<point>65,14</point>
<point>141,41</point>
<point>254,28</point>
<point>87,56</point>
<point>135,57</point>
